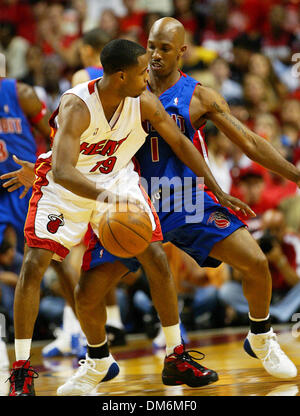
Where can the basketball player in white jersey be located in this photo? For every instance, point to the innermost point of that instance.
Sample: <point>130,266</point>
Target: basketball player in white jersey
<point>98,129</point>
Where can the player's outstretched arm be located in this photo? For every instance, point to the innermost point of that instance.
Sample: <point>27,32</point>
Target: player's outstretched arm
<point>254,146</point>
<point>34,109</point>
<point>21,177</point>
<point>153,111</point>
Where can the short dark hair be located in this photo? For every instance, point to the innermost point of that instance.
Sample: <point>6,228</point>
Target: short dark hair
<point>120,54</point>
<point>96,38</point>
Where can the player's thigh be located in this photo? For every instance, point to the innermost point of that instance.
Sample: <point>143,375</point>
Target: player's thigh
<point>56,223</point>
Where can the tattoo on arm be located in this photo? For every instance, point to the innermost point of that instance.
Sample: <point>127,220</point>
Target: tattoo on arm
<point>236,123</point>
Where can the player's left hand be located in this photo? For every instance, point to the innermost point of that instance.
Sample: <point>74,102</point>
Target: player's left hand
<point>236,205</point>
<point>22,177</point>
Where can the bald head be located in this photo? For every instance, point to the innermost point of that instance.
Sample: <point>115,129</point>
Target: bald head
<point>169,29</point>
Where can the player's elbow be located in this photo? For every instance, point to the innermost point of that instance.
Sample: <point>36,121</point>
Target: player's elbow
<point>58,174</point>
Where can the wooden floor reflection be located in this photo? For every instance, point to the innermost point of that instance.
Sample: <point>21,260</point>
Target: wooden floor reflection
<point>140,375</point>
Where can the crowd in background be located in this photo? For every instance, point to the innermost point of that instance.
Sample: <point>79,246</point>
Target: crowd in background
<point>249,51</point>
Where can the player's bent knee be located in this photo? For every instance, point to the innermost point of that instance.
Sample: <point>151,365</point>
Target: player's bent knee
<point>258,265</point>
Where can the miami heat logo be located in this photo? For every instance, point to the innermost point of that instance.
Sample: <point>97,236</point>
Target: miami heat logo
<point>55,222</point>
<point>220,219</point>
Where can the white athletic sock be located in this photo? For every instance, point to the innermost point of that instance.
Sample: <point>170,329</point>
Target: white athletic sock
<point>114,316</point>
<point>259,319</point>
<point>71,324</point>
<point>173,337</point>
<point>98,345</point>
<point>22,349</point>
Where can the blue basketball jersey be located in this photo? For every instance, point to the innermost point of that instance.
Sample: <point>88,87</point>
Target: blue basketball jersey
<point>94,71</point>
<point>159,166</point>
<point>16,138</point>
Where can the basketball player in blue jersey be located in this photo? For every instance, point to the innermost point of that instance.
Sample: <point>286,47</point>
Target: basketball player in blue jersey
<point>20,110</point>
<point>92,43</point>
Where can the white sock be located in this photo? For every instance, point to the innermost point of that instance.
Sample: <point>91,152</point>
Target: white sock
<point>71,324</point>
<point>98,345</point>
<point>22,349</point>
<point>173,337</point>
<point>259,319</point>
<point>114,316</point>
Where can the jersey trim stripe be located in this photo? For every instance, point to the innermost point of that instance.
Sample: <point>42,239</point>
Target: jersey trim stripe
<point>32,239</point>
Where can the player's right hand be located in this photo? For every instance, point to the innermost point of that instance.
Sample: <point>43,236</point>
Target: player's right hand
<point>236,205</point>
<point>22,177</point>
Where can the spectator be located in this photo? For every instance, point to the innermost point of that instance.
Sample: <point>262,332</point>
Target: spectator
<point>239,110</point>
<point>109,23</point>
<point>14,48</point>
<point>267,126</point>
<point>183,11</point>
<point>35,66</point>
<point>219,149</point>
<point>251,188</point>
<point>261,66</point>
<point>95,9</point>
<point>282,249</point>
<point>244,46</point>
<point>54,83</point>
<point>132,21</point>
<point>227,87</point>
<point>21,15</point>
<point>58,31</point>
<point>256,96</point>
<point>218,36</point>
<point>277,41</point>
<point>148,20</point>
<point>290,110</point>
<point>248,16</point>
<point>196,59</point>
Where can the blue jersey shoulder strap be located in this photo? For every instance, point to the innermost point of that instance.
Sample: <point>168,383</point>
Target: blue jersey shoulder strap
<point>94,71</point>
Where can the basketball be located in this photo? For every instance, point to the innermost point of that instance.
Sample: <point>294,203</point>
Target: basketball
<point>125,231</point>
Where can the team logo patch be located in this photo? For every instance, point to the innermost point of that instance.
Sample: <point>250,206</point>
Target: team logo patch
<point>219,219</point>
<point>55,222</point>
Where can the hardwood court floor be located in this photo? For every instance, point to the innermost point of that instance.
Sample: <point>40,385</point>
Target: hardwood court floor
<point>140,375</point>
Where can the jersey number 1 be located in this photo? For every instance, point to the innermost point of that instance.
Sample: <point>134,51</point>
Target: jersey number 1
<point>154,149</point>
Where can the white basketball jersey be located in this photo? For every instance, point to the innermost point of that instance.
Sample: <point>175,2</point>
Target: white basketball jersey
<point>106,147</point>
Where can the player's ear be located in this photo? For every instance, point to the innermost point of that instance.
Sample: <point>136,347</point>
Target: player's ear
<point>122,75</point>
<point>182,50</point>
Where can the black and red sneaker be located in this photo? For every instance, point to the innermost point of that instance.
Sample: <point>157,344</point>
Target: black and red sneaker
<point>180,368</point>
<point>21,379</point>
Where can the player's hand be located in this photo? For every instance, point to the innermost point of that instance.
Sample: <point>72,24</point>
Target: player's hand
<point>22,177</point>
<point>236,205</point>
<point>114,200</point>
